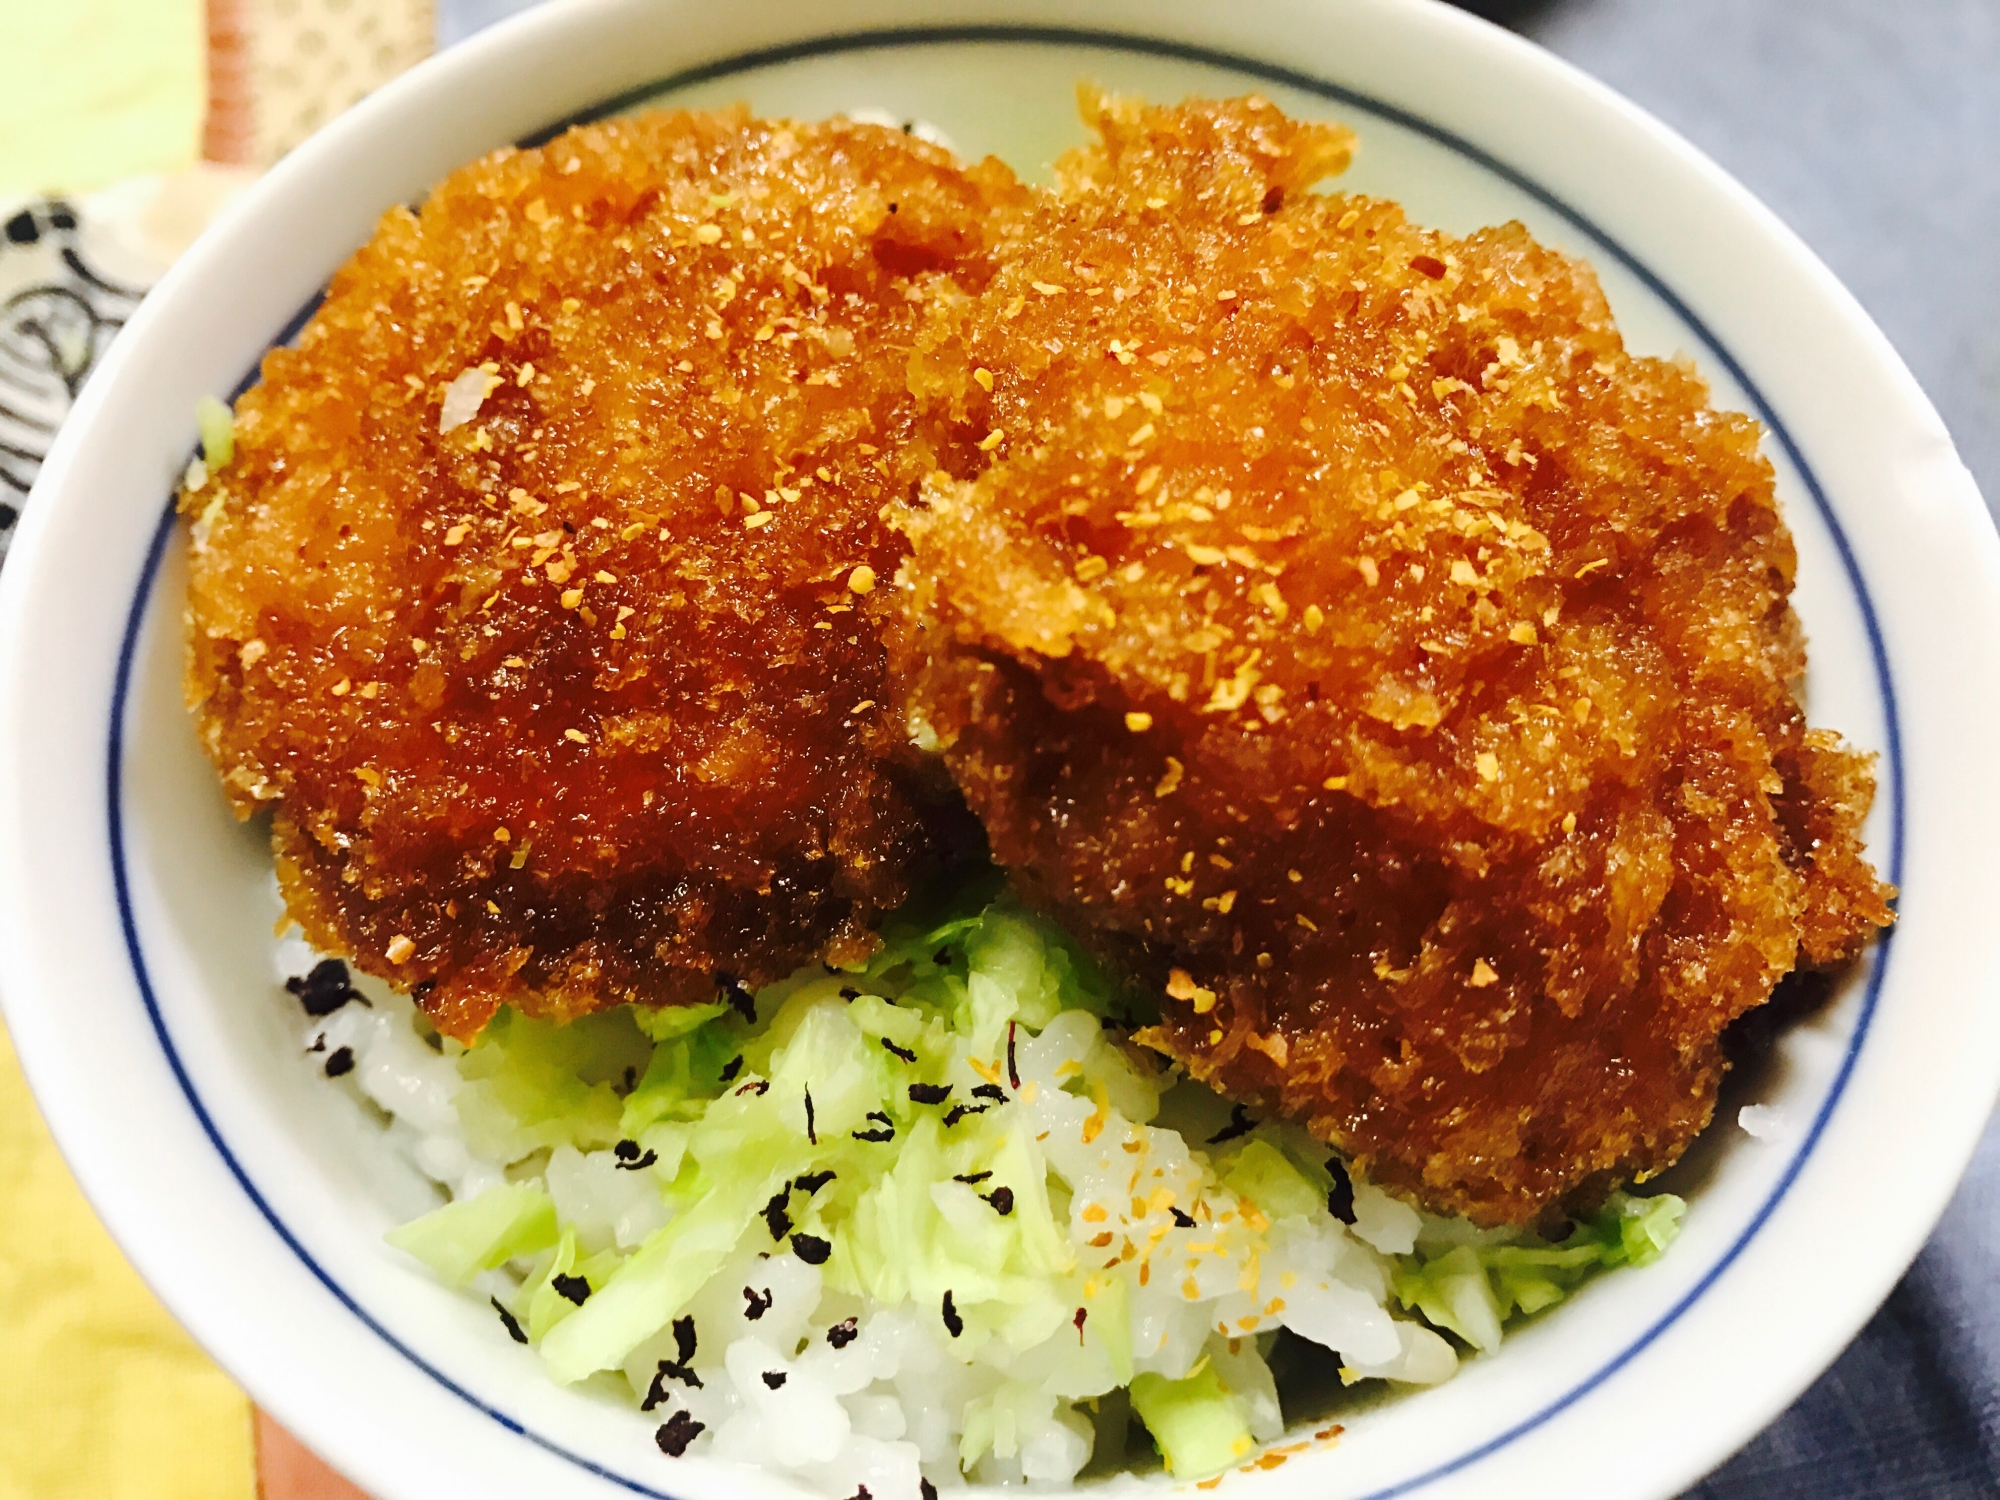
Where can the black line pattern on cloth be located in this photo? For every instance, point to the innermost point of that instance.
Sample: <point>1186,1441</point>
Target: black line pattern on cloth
<point>53,332</point>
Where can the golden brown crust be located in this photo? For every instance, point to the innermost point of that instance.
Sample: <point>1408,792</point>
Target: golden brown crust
<point>1349,628</point>
<point>571,704</point>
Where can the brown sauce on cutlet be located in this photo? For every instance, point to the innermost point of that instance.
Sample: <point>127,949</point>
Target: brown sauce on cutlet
<point>580,701</point>
<point>1349,633</point>
<point>1326,617</point>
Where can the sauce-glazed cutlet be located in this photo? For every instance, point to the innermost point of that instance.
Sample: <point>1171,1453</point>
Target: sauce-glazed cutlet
<point>534,604</point>
<point>1399,671</point>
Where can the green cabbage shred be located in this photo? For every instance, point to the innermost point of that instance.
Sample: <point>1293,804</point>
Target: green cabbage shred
<point>714,1106</point>
<point>1474,1290</point>
<point>217,425</point>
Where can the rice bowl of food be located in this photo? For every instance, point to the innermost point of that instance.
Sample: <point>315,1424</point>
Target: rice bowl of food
<point>964,793</point>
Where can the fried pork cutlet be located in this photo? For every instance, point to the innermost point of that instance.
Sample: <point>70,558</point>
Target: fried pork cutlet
<point>1397,669</point>
<point>532,603</point>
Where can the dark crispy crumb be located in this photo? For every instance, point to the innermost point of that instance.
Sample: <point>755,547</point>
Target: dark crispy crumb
<point>886,1131</point>
<point>1081,1314</point>
<point>972,1178</point>
<point>574,1288</point>
<point>1013,1068</point>
<point>736,995</point>
<point>774,1380</point>
<point>926,1490</point>
<point>811,1249</point>
<point>731,1068</point>
<point>684,1340</point>
<point>812,1123</point>
<point>777,1215</point>
<point>991,1091</point>
<point>1002,1199</point>
<point>676,1368</point>
<point>929,1093</point>
<point>324,988</point>
<point>339,1061</point>
<point>953,1323</point>
<point>959,1111</point>
<point>1240,1123</point>
<point>1340,1197</point>
<point>1181,1220</point>
<point>903,1052</point>
<point>844,1333</point>
<point>812,1182</point>
<point>677,1432</point>
<point>756,1303</point>
<point>509,1322</point>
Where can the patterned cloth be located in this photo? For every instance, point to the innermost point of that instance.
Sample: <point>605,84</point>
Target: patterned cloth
<point>102,1396</point>
<point>58,312</point>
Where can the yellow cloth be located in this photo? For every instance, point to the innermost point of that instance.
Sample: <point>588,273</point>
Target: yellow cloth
<point>102,1396</point>
<point>92,91</point>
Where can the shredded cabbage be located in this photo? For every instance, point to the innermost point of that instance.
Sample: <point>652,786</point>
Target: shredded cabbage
<point>472,1235</point>
<point>217,425</point>
<point>1473,1290</point>
<point>876,1124</point>
<point>1198,1422</point>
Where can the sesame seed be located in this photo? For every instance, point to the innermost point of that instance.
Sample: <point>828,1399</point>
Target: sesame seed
<point>399,949</point>
<point>1138,722</point>
<point>861,580</point>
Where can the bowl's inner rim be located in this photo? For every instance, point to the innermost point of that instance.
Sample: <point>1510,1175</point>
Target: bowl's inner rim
<point>915,36</point>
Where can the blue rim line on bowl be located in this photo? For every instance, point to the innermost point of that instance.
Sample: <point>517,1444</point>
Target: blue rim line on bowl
<point>1271,73</point>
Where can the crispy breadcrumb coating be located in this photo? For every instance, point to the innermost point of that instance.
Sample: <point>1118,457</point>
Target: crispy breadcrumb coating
<point>531,602</point>
<point>1399,672</point>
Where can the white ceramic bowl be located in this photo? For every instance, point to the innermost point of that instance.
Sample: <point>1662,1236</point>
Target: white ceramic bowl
<point>135,915</point>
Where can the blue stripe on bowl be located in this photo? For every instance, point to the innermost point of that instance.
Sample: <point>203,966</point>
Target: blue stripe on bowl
<point>1270,73</point>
